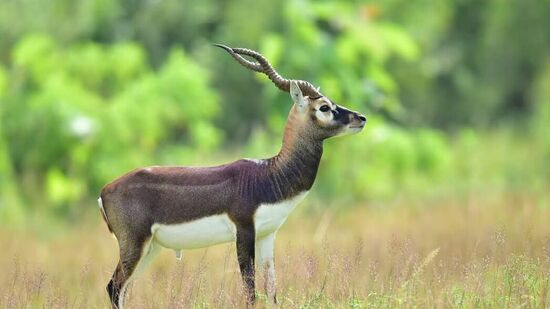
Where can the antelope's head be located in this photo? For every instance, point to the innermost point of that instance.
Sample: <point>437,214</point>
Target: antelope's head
<point>319,116</point>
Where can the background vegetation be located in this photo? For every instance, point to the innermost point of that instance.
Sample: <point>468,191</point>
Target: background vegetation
<point>457,96</point>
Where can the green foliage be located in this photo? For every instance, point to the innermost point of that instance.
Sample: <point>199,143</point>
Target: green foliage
<point>10,205</point>
<point>384,160</point>
<point>479,59</point>
<point>541,94</point>
<point>352,52</point>
<point>92,89</point>
<point>77,117</point>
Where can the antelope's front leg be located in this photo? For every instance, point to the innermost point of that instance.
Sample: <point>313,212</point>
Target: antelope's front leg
<point>245,253</point>
<point>266,263</point>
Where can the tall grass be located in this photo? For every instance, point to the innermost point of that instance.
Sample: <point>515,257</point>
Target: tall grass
<point>482,251</point>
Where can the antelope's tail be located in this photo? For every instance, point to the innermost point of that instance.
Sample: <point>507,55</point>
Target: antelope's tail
<point>104,214</point>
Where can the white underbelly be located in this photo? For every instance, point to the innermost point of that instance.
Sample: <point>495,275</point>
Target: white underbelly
<point>199,233</point>
<point>218,229</point>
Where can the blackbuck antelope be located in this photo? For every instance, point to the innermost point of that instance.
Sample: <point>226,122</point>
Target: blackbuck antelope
<point>246,201</point>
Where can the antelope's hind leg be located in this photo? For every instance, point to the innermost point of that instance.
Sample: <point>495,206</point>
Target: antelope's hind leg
<point>135,255</point>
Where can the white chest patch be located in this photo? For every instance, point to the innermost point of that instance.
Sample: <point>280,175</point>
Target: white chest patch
<point>269,217</point>
<point>200,233</point>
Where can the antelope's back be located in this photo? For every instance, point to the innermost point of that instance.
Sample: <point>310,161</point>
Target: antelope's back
<point>173,194</point>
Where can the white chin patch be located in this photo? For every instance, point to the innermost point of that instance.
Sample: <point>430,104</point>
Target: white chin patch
<point>352,130</point>
<point>347,131</point>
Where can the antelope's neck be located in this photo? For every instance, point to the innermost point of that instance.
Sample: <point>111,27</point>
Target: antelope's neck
<point>294,168</point>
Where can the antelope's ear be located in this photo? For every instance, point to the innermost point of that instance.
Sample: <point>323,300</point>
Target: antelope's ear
<point>297,96</point>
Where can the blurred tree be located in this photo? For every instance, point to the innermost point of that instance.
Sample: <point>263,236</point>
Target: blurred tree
<point>76,117</point>
<point>10,205</point>
<point>479,59</point>
<point>93,88</point>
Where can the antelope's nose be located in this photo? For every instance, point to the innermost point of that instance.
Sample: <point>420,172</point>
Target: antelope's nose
<point>361,117</point>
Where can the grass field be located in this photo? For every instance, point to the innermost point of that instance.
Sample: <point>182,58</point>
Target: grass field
<point>488,251</point>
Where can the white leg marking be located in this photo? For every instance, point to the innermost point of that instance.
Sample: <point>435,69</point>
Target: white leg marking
<point>178,254</point>
<point>149,251</point>
<point>264,253</point>
<point>121,295</point>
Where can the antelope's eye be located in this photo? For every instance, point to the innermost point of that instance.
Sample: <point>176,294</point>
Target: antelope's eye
<point>324,108</point>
